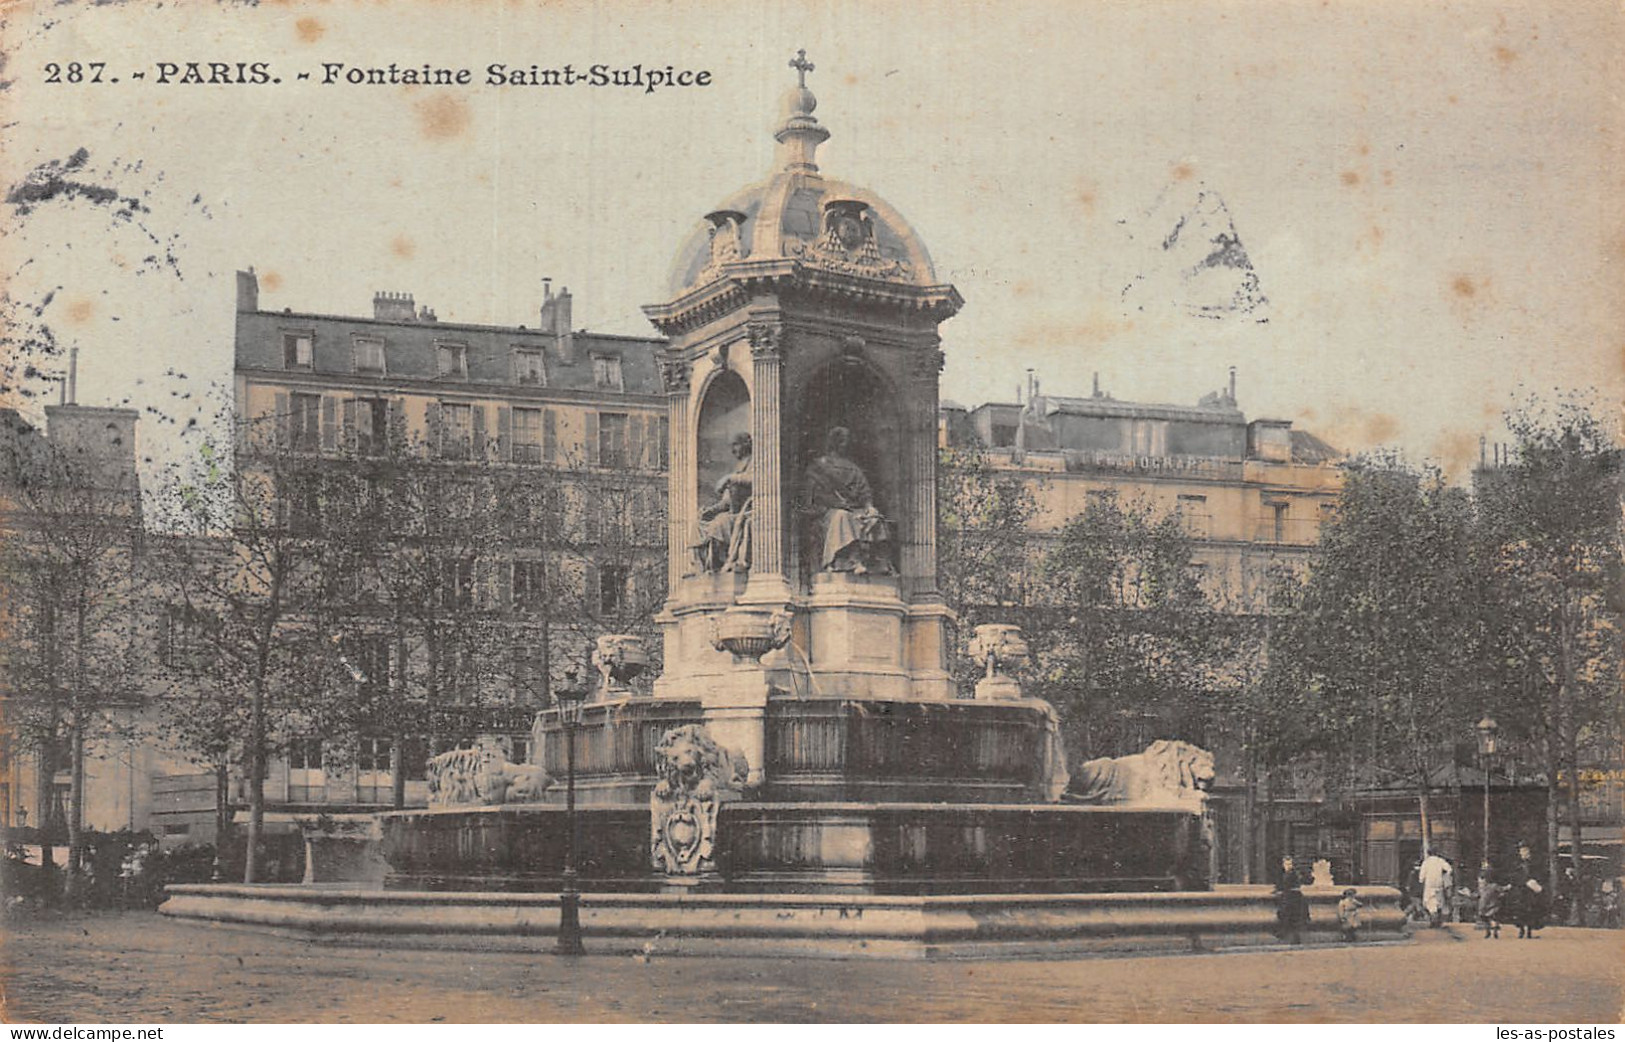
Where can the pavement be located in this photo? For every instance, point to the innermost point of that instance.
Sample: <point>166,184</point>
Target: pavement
<point>144,969</point>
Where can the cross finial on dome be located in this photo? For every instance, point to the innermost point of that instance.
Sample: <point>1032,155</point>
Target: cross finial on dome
<point>799,131</point>
<point>802,67</point>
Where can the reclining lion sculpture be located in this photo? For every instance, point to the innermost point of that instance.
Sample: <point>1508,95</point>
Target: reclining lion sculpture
<point>1169,774</point>
<point>483,776</point>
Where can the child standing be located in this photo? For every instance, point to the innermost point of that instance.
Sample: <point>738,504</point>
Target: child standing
<point>1489,904</point>
<point>1348,914</point>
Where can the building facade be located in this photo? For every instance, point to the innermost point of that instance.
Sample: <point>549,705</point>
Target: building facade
<point>546,445</point>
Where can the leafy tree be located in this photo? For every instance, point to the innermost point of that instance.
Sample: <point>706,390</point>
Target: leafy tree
<point>985,550</point>
<point>72,653</point>
<point>1383,641</point>
<point>1129,645</point>
<point>253,582</point>
<point>1551,521</point>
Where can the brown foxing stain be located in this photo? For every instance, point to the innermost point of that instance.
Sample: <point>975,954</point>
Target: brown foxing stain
<point>1378,428</point>
<point>309,29</point>
<point>395,182</point>
<point>1184,172</point>
<point>1463,286</point>
<point>1372,237</point>
<point>1022,289</point>
<point>1388,179</point>
<point>850,79</point>
<point>271,281</point>
<point>1458,451</point>
<point>443,116</point>
<point>1351,178</point>
<point>79,311</point>
<point>1453,100</point>
<point>1364,149</point>
<point>1505,55</point>
<point>403,247</point>
<point>1086,198</point>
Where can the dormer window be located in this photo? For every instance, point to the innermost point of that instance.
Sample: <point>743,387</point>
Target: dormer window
<point>369,354</point>
<point>298,350</point>
<point>606,372</point>
<point>453,359</point>
<point>528,367</point>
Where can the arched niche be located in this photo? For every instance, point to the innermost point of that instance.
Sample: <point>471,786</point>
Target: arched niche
<point>850,392</point>
<point>724,413</point>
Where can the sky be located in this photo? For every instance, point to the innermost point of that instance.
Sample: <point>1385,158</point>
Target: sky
<point>1421,204</point>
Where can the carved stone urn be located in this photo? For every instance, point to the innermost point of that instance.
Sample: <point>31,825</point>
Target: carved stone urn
<point>748,635</point>
<point>997,647</point>
<point>619,659</point>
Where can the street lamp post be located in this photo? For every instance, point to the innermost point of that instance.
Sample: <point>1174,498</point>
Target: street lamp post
<point>570,700</point>
<point>1486,752</point>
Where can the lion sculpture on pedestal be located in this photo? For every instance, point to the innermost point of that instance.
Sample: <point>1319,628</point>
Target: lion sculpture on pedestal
<point>696,775</point>
<point>1169,774</point>
<point>483,776</point>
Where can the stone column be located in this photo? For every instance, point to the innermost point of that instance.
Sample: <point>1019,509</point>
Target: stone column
<point>675,372</point>
<point>768,557</point>
<point>920,548</point>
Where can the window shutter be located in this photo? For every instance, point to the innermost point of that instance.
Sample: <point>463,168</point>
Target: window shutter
<point>504,433</point>
<point>634,442</point>
<point>330,423</point>
<point>349,429</point>
<point>550,436</point>
<point>283,436</point>
<point>592,438</point>
<point>481,449</point>
<point>397,423</point>
<point>431,412</point>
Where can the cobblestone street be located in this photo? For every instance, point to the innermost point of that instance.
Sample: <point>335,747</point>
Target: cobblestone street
<point>145,969</point>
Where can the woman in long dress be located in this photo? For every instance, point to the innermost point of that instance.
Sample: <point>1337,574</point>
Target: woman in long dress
<point>1527,900</point>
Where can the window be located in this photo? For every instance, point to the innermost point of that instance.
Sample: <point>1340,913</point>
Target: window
<point>415,758</point>
<point>529,585</point>
<point>306,780</point>
<point>528,367</point>
<point>618,513</point>
<point>453,359</point>
<point>612,579</point>
<point>304,422</point>
<point>527,435</point>
<point>305,754</point>
<point>606,372</point>
<point>373,755</point>
<point>457,583</point>
<point>368,662</point>
<point>298,350</point>
<point>1193,516</point>
<point>183,643</point>
<point>371,426</point>
<point>1278,509</point>
<point>1004,435</point>
<point>457,435</point>
<point>369,354</point>
<point>612,439</point>
<point>374,782</point>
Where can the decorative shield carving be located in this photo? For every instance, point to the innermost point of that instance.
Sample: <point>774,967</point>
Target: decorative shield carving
<point>696,776</point>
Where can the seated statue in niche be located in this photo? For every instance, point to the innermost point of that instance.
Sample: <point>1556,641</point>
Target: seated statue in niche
<point>853,536</point>
<point>724,543</point>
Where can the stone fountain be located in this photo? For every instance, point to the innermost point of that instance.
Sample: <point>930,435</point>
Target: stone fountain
<point>804,772</point>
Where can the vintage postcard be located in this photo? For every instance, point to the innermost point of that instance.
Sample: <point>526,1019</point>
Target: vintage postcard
<point>824,511</point>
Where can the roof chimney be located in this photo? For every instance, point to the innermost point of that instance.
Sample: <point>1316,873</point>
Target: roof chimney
<point>556,320</point>
<point>248,290</point>
<point>394,307</point>
<point>1232,385</point>
<point>73,376</point>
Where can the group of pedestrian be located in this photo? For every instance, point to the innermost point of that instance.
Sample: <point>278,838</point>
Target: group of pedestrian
<point>1517,897</point>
